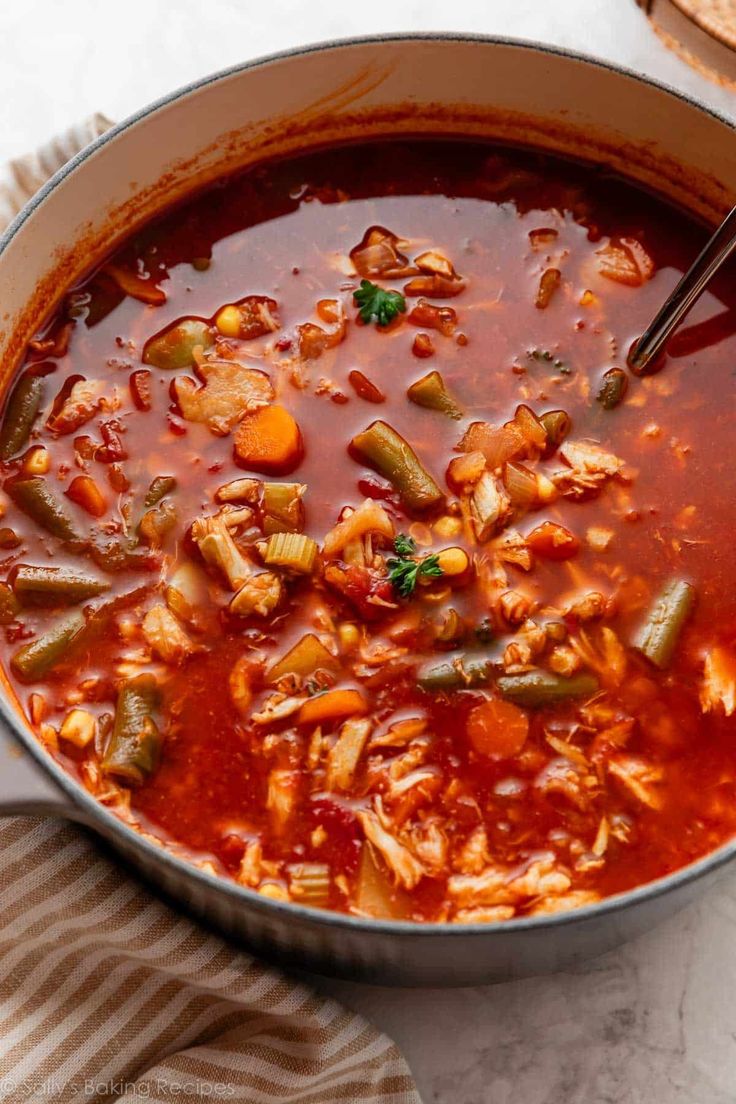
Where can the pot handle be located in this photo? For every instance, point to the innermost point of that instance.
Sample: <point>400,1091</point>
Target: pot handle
<point>25,788</point>
<point>21,178</point>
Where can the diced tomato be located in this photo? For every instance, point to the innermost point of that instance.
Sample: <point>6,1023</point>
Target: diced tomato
<point>553,542</point>
<point>140,388</point>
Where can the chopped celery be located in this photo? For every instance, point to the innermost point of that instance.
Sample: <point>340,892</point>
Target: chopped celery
<point>291,550</point>
<point>309,883</point>
<point>283,509</point>
<point>343,757</point>
<point>307,656</point>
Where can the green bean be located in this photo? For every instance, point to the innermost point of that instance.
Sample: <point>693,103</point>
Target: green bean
<point>9,605</point>
<point>156,523</point>
<point>20,414</point>
<point>430,392</point>
<point>159,488</point>
<point>113,554</point>
<point>614,385</point>
<point>658,636</point>
<point>557,424</point>
<point>34,497</point>
<point>34,659</point>
<point>135,742</point>
<point>535,689</point>
<point>384,449</point>
<point>54,585</point>
<point>174,347</point>
<point>455,674</point>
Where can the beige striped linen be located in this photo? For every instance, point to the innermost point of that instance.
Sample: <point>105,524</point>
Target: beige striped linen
<point>108,994</point>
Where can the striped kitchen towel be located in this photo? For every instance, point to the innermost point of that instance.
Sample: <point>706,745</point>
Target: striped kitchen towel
<point>108,994</point>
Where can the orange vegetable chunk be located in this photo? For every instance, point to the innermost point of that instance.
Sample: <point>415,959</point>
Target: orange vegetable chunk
<point>269,441</point>
<point>497,729</point>
<point>84,491</point>
<point>329,706</point>
<point>552,541</point>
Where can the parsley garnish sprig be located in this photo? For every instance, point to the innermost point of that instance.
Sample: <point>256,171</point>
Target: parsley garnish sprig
<point>376,302</point>
<point>404,571</point>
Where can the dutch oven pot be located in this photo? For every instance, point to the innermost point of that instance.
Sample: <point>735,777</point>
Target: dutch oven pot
<point>446,84</point>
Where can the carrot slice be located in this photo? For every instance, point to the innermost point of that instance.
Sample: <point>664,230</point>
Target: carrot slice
<point>497,729</point>
<point>269,440</point>
<point>84,491</point>
<point>335,703</point>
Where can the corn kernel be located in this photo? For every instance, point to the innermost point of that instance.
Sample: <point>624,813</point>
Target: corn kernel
<point>227,321</point>
<point>274,892</point>
<point>598,537</point>
<point>447,526</point>
<point>37,708</point>
<point>546,490</point>
<point>78,728</point>
<point>48,735</point>
<point>38,461</point>
<point>348,635</point>
<point>453,561</point>
<point>563,660</point>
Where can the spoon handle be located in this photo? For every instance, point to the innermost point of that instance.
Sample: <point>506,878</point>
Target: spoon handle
<point>676,306</point>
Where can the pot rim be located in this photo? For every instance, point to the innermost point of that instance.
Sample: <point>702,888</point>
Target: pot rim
<point>178,864</point>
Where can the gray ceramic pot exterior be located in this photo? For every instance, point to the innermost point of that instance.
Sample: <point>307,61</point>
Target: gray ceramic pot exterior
<point>501,89</point>
<point>409,954</point>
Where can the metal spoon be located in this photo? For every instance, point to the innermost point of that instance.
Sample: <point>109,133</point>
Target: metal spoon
<point>644,352</point>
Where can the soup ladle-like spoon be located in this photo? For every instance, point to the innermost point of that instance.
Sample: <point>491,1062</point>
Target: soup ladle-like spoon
<point>644,352</point>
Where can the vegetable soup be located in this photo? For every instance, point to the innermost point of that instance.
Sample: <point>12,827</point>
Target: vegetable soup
<point>342,553</point>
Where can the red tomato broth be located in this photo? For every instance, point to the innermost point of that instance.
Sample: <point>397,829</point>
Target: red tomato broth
<point>284,230</point>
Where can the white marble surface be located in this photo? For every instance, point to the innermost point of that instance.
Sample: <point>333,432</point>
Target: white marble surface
<point>655,1021</point>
